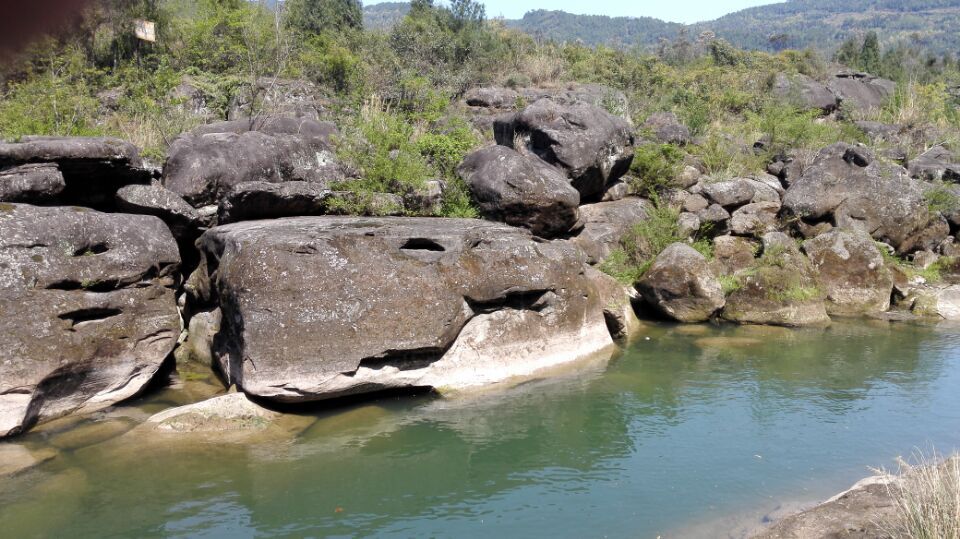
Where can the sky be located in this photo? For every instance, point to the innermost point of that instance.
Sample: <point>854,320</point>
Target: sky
<point>685,11</point>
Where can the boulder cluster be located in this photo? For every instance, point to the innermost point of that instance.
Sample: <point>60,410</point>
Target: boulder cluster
<point>234,254</point>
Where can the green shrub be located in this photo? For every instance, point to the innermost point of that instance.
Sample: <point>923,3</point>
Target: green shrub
<point>941,199</point>
<point>654,167</point>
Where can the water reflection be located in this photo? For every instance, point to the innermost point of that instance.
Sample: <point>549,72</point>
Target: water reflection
<point>692,422</point>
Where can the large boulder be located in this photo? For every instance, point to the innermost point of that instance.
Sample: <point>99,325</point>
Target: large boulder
<point>804,92</point>
<point>321,307</point>
<point>852,273</point>
<point>520,191</point>
<point>941,301</point>
<point>264,200</point>
<point>730,193</point>
<point>617,301</point>
<point>590,145</point>
<point>847,186</point>
<point>667,129</point>
<point>781,288</point>
<point>93,168</point>
<point>204,165</point>
<point>36,183</point>
<point>681,285</point>
<point>605,224</point>
<point>936,164</point>
<point>88,307</point>
<point>756,219</point>
<point>861,91</point>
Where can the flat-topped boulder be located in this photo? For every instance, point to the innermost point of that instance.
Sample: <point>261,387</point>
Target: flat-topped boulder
<point>804,92</point>
<point>321,307</point>
<point>852,272</point>
<point>204,165</point>
<point>850,188</point>
<point>184,221</point>
<point>590,145</point>
<point>93,168</point>
<point>861,91</point>
<point>936,164</point>
<point>34,183</point>
<point>520,191</point>
<point>88,305</point>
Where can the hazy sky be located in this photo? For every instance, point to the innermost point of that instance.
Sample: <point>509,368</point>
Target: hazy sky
<point>686,11</point>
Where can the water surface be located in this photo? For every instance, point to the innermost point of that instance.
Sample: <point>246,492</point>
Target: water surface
<point>697,431</point>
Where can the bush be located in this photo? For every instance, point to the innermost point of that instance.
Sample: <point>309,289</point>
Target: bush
<point>926,500</point>
<point>654,167</point>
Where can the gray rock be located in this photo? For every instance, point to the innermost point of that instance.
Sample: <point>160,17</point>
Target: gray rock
<point>755,219</point>
<point>667,129</point>
<point>925,259</point>
<point>936,164</point>
<point>804,92</point>
<point>861,91</point>
<point>780,289</point>
<point>695,203</point>
<point>492,97</point>
<point>681,285</point>
<point>322,307</point>
<point>520,191</point>
<point>591,146</point>
<point>184,221</point>
<point>617,190</point>
<point>204,165</point>
<point>93,168</point>
<point>605,223</point>
<point>688,177</point>
<point>766,189</point>
<point>264,200</point>
<point>89,310</point>
<point>617,301</point>
<point>852,189</point>
<point>714,214</point>
<point>687,224</point>
<point>730,193</point>
<point>852,273</point>
<point>732,254</point>
<point>35,183</point>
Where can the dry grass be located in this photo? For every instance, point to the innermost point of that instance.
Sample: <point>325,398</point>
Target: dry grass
<point>543,68</point>
<point>927,498</point>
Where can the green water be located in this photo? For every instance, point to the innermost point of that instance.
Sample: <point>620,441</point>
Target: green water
<point>696,431</point>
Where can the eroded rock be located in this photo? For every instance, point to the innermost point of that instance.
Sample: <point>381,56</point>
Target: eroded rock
<point>852,273</point>
<point>36,183</point>
<point>681,285</point>
<point>605,224</point>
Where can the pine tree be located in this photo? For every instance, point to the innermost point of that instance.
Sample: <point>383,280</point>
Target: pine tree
<point>870,54</point>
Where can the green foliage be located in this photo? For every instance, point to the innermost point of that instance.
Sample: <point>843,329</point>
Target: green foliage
<point>941,199</point>
<point>654,167</point>
<point>330,63</point>
<point>640,246</point>
<point>309,17</point>
<point>729,284</point>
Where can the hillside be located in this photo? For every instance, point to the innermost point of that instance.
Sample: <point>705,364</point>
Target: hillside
<point>820,24</point>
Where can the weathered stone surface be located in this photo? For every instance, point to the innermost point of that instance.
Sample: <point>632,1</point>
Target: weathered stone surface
<point>226,413</point>
<point>617,190</point>
<point>803,91</point>
<point>278,97</point>
<point>687,224</point>
<point>732,254</point>
<point>667,129</point>
<point>766,188</point>
<point>780,289</point>
<point>184,221</point>
<point>204,165</point>
<point>520,191</point>
<point>266,200</point>
<point>695,203</point>
<point>681,285</point>
<point>936,164</point>
<point>852,189</point>
<point>858,513</point>
<point>93,168</point>
<point>852,273</point>
<point>939,301</point>
<point>321,307</point>
<point>36,183</point>
<point>202,329</point>
<point>492,97</point>
<point>756,219</point>
<point>688,177</point>
<point>729,193</point>
<point>861,91</point>
<point>590,145</point>
<point>605,223</point>
<point>88,309</point>
<point>714,214</point>
<point>617,301</point>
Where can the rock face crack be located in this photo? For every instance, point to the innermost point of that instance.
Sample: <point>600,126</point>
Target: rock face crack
<point>85,317</point>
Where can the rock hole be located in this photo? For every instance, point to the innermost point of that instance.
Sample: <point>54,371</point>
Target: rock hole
<point>90,250</point>
<point>855,158</point>
<point>422,244</point>
<point>92,315</point>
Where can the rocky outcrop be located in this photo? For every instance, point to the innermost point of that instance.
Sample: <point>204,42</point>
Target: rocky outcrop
<point>182,219</point>
<point>847,186</point>
<point>942,301</point>
<point>732,254</point>
<point>519,191</point>
<point>605,224</point>
<point>755,219</point>
<point>321,307</point>
<point>264,200</point>
<point>804,92</point>
<point>88,309</point>
<point>861,91</point>
<point>730,193</point>
<point>591,146</point>
<point>35,184</point>
<point>852,273</point>
<point>681,285</point>
<point>780,289</point>
<point>204,165</point>
<point>617,301</point>
<point>93,168</point>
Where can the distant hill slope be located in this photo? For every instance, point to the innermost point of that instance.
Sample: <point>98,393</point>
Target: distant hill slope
<point>820,24</point>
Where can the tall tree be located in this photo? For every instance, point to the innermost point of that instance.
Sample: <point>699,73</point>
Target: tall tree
<point>870,53</point>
